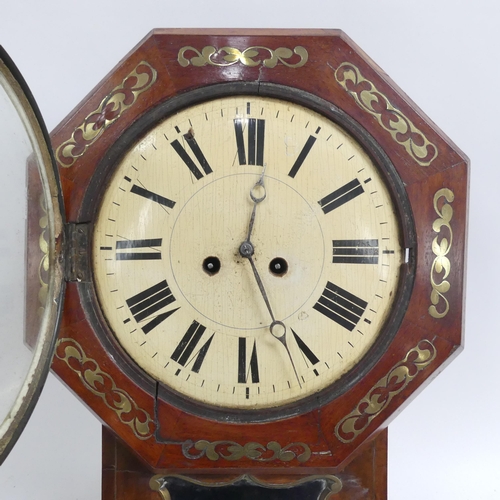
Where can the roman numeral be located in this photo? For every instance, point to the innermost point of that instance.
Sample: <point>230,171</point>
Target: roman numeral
<point>341,196</point>
<point>183,353</point>
<point>355,252</point>
<point>149,195</point>
<point>302,156</point>
<point>253,369</point>
<point>306,351</point>
<point>186,158</point>
<point>150,252</point>
<point>256,130</point>
<point>146,304</point>
<point>341,306</point>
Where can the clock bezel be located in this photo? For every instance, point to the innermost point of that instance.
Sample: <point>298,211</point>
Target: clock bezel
<point>41,322</point>
<point>90,209</point>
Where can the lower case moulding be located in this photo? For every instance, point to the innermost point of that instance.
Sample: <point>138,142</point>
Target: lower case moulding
<point>125,477</point>
<point>245,487</point>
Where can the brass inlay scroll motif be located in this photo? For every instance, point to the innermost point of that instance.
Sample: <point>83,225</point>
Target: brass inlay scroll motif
<point>229,450</point>
<point>43,267</point>
<point>441,266</point>
<point>101,384</point>
<point>227,56</point>
<point>160,483</point>
<point>371,100</point>
<point>109,110</point>
<point>379,397</point>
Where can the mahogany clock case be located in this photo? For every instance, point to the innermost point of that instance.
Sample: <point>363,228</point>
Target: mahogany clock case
<point>171,69</point>
<point>170,107</point>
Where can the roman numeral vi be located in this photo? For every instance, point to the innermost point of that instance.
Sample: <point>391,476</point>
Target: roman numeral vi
<point>253,370</point>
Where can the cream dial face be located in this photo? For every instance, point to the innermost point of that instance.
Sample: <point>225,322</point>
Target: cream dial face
<point>218,327</point>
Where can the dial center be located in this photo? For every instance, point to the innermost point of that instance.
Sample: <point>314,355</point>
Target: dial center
<point>246,249</point>
<point>214,222</point>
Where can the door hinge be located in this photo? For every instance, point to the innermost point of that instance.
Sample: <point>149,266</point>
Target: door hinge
<point>77,256</point>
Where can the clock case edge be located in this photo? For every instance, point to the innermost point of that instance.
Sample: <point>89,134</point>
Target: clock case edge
<point>154,47</point>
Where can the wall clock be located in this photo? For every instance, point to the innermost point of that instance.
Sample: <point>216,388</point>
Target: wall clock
<point>264,259</point>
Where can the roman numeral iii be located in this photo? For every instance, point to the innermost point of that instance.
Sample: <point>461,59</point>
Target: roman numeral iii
<point>146,304</point>
<point>341,306</point>
<point>256,130</point>
<point>355,251</point>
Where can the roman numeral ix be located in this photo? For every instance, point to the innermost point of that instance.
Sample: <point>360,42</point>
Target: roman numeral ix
<point>355,251</point>
<point>149,249</point>
<point>146,304</point>
<point>341,306</point>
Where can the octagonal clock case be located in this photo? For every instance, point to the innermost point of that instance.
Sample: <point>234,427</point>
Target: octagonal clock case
<point>264,250</point>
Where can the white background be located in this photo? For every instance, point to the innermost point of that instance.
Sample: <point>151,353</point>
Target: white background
<point>444,55</point>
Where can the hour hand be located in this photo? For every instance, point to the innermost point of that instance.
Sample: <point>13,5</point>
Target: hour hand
<point>257,194</point>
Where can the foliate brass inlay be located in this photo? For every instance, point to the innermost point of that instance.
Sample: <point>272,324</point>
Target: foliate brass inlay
<point>441,266</point>
<point>371,100</point>
<point>160,483</point>
<point>227,56</point>
<point>229,450</point>
<point>109,110</point>
<point>102,385</point>
<point>379,397</point>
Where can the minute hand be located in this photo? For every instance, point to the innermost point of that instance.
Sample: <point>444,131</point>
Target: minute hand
<point>277,328</point>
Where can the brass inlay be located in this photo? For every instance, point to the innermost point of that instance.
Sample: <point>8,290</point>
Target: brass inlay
<point>332,486</point>
<point>440,248</point>
<point>109,110</point>
<point>101,384</point>
<point>379,397</point>
<point>43,267</point>
<point>229,450</point>
<point>371,100</point>
<point>248,57</point>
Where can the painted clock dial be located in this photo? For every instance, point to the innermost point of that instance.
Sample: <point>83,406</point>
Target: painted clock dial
<point>185,304</point>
